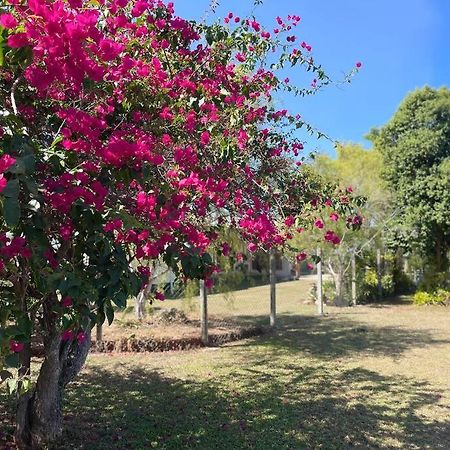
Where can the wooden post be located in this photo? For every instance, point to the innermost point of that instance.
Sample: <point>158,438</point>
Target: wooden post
<point>98,334</point>
<point>379,275</point>
<point>319,284</point>
<point>272,276</point>
<point>204,312</point>
<point>354,278</point>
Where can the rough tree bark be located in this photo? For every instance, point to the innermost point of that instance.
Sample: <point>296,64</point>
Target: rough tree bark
<point>39,418</point>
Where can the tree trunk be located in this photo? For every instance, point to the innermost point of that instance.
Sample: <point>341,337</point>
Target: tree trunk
<point>39,418</point>
<point>273,292</point>
<point>354,294</point>
<point>319,299</point>
<point>139,305</point>
<point>204,312</point>
<point>339,284</point>
<point>338,278</point>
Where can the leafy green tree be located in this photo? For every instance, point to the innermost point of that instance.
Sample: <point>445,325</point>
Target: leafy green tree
<point>415,145</point>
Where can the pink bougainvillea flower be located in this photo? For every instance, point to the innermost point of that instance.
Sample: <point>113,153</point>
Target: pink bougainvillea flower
<point>66,302</point>
<point>334,217</point>
<point>318,223</point>
<point>310,266</point>
<point>67,335</point>
<point>301,256</point>
<point>358,65</point>
<point>81,337</point>
<point>160,296</point>
<point>8,21</point>
<point>252,247</point>
<point>6,161</point>
<point>205,138</point>
<point>3,182</point>
<point>15,346</point>
<point>18,40</point>
<point>209,283</point>
<point>289,221</point>
<point>225,249</point>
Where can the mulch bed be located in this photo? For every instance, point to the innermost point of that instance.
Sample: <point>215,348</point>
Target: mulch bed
<point>152,344</point>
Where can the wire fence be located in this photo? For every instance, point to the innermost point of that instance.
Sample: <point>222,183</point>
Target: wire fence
<point>231,314</point>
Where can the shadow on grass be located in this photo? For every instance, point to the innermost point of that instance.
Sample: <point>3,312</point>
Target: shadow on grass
<point>334,337</point>
<point>316,407</point>
<point>286,390</point>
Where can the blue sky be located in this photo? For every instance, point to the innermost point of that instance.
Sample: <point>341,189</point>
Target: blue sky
<point>403,44</point>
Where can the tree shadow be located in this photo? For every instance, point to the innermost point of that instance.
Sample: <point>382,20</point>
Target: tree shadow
<point>310,408</point>
<point>335,336</point>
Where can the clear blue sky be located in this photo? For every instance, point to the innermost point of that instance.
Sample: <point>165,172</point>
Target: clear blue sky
<point>403,44</point>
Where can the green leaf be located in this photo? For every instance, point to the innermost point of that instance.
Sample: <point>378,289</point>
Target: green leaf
<point>24,165</point>
<point>12,361</point>
<point>11,211</point>
<point>12,189</point>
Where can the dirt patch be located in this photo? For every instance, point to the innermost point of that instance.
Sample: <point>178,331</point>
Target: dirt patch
<point>152,344</point>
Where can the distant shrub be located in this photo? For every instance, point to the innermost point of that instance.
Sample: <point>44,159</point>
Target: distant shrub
<point>328,292</point>
<point>229,281</point>
<point>368,289</point>
<point>432,281</point>
<point>438,297</point>
<point>403,284</point>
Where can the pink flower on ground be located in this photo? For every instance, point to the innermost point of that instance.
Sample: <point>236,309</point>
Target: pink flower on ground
<point>160,296</point>
<point>15,346</point>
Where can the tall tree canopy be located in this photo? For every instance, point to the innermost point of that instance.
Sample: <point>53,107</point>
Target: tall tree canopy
<point>129,134</point>
<point>415,145</point>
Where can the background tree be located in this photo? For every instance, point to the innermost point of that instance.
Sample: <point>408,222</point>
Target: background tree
<point>415,145</point>
<point>358,172</point>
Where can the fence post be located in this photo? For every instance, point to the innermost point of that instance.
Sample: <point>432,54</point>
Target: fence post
<point>354,278</point>
<point>273,299</point>
<point>379,275</point>
<point>319,283</point>
<point>204,312</point>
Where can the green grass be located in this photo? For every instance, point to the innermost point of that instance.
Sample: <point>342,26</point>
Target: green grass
<point>365,378</point>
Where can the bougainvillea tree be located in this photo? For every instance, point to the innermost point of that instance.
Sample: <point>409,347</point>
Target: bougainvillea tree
<point>129,134</point>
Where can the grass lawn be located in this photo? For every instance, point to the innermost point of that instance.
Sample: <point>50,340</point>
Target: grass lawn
<point>365,378</point>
